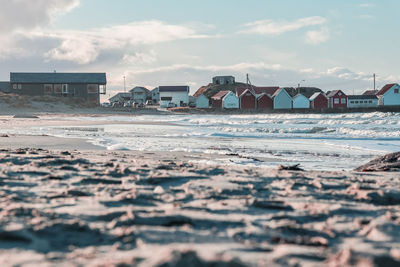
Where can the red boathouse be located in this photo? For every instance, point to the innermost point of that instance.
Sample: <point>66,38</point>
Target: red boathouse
<point>337,99</point>
<point>247,99</point>
<point>319,101</point>
<point>264,101</point>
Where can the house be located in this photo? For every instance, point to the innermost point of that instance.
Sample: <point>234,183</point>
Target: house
<point>5,87</point>
<point>120,98</point>
<point>389,95</point>
<point>219,80</point>
<point>139,94</point>
<point>337,99</point>
<point>264,101</point>
<point>216,100</point>
<point>85,87</point>
<point>155,95</point>
<point>319,101</point>
<point>370,92</point>
<point>177,96</point>
<point>202,102</point>
<point>301,102</point>
<point>247,99</point>
<point>230,101</point>
<point>268,90</point>
<point>282,99</point>
<point>362,101</point>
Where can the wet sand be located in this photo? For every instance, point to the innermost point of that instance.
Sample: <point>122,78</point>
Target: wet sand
<point>103,208</point>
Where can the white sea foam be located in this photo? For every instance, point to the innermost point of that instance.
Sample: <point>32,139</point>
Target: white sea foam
<point>319,141</point>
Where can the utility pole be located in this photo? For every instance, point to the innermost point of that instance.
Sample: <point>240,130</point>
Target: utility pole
<point>374,82</point>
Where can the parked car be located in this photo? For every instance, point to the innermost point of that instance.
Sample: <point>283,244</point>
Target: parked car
<point>127,104</point>
<point>140,105</point>
<point>149,102</point>
<point>106,104</point>
<point>192,104</point>
<point>171,105</point>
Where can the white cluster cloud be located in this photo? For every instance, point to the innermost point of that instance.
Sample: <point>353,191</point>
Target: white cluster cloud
<point>271,27</point>
<point>84,47</point>
<point>317,36</point>
<point>28,14</point>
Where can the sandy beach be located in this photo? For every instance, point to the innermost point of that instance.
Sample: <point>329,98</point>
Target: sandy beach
<point>67,202</point>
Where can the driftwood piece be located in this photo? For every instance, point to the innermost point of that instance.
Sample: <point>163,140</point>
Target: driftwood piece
<point>387,163</point>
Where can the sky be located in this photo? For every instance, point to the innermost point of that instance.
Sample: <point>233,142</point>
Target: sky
<point>327,44</point>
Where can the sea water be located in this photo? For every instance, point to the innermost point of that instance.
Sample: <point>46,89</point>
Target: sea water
<point>316,141</point>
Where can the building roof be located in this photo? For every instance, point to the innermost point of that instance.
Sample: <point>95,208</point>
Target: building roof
<point>121,96</point>
<point>183,88</point>
<point>5,87</point>
<point>220,95</point>
<point>362,97</point>
<point>244,92</point>
<point>87,78</point>
<point>262,95</point>
<point>223,76</point>
<point>386,88</point>
<point>370,92</point>
<point>314,96</point>
<point>139,87</point>
<point>334,92</point>
<point>269,90</point>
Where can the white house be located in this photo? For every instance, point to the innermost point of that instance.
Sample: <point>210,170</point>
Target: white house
<point>202,102</point>
<point>230,101</point>
<point>301,102</point>
<point>282,99</point>
<point>177,96</point>
<point>362,101</point>
<point>389,95</point>
<point>140,94</point>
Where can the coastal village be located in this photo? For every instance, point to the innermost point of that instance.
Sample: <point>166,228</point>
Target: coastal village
<point>223,93</point>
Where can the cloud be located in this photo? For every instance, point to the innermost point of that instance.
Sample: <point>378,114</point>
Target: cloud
<point>84,47</point>
<point>271,27</point>
<point>318,36</point>
<point>367,5</point>
<point>28,14</point>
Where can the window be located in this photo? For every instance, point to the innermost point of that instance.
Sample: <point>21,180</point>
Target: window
<point>370,102</point>
<point>92,88</point>
<point>65,88</point>
<point>102,89</point>
<point>166,98</point>
<point>343,101</point>
<point>396,91</point>
<point>351,102</point>
<point>356,102</point>
<point>336,100</point>
<point>17,86</point>
<point>57,89</point>
<point>48,89</point>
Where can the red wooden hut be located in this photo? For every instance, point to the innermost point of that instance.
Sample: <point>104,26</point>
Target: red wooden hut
<point>247,99</point>
<point>319,101</point>
<point>264,101</point>
<point>216,100</point>
<point>337,99</point>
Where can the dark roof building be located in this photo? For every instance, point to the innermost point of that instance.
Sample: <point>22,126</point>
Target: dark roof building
<point>386,88</point>
<point>370,92</point>
<point>69,78</point>
<point>82,87</point>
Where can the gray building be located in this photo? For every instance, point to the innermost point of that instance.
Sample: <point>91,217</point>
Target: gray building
<point>362,101</point>
<point>219,80</point>
<point>5,87</point>
<point>155,95</point>
<point>140,94</point>
<point>121,98</point>
<point>85,87</point>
